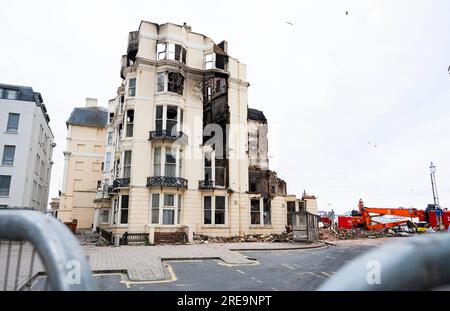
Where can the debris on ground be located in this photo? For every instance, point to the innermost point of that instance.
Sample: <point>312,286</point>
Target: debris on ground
<point>333,234</point>
<point>285,237</point>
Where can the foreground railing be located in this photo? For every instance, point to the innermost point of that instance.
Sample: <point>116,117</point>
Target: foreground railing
<point>418,263</point>
<point>32,243</point>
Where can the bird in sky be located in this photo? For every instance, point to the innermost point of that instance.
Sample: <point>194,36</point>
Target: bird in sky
<point>346,12</point>
<point>289,23</point>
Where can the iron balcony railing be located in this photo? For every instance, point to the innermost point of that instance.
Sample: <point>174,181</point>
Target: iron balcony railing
<point>167,135</point>
<point>104,193</point>
<point>166,181</point>
<point>121,183</point>
<point>209,184</point>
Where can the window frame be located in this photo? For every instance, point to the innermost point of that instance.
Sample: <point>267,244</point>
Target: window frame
<point>10,129</point>
<point>163,120</point>
<point>261,213</point>
<point>171,51</point>
<point>11,161</point>
<point>165,81</point>
<point>212,66</point>
<point>102,216</point>
<point>121,209</point>
<point>125,165</point>
<point>213,210</point>
<point>213,167</point>
<point>109,138</point>
<point>163,163</point>
<point>5,192</point>
<point>131,90</point>
<point>129,129</point>
<point>162,206</point>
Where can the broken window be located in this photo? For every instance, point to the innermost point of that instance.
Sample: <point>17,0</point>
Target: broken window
<point>214,210</point>
<point>290,212</point>
<point>111,117</point>
<point>267,212</point>
<point>255,212</point>
<point>170,54</point>
<point>252,187</point>
<point>161,51</point>
<point>159,118</point>
<point>171,51</point>
<point>172,116</point>
<point>175,83</point>
<point>209,92</point>
<point>170,82</point>
<point>130,122</point>
<point>132,87</point>
<point>209,61</point>
<point>260,214</point>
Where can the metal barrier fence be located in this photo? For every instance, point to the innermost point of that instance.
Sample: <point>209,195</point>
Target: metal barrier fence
<point>418,263</point>
<point>32,243</point>
<point>305,226</point>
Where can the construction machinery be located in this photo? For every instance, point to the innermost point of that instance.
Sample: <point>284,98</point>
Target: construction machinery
<point>364,217</point>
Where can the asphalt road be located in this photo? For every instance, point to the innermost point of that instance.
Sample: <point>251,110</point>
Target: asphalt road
<point>272,271</point>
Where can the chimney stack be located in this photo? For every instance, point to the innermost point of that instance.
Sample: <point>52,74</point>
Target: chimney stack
<point>91,102</point>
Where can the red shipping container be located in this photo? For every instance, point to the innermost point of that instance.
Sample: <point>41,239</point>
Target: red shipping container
<point>345,222</point>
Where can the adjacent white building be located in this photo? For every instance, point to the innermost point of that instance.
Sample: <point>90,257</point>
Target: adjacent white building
<point>26,147</point>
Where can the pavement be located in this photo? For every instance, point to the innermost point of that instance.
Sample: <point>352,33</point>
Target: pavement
<point>269,270</point>
<point>140,263</point>
<point>145,263</point>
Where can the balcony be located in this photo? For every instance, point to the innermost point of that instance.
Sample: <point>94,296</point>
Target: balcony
<point>163,135</point>
<point>216,181</point>
<point>166,181</point>
<point>121,183</point>
<point>209,184</point>
<point>103,193</point>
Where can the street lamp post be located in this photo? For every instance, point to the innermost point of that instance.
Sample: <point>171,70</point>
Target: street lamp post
<point>433,184</point>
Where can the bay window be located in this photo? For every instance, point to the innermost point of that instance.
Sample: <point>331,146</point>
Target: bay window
<point>168,81</point>
<point>171,51</point>
<point>167,117</point>
<point>165,162</point>
<point>214,210</point>
<point>165,208</point>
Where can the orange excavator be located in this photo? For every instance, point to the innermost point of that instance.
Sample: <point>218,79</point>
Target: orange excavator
<point>364,218</point>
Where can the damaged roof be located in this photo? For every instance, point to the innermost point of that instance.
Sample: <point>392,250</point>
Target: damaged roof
<point>256,115</point>
<point>88,116</point>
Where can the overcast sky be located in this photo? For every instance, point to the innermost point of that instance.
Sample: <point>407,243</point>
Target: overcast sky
<point>358,104</point>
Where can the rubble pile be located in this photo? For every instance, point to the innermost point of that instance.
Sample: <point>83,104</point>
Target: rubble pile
<point>332,234</point>
<point>267,238</point>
